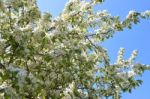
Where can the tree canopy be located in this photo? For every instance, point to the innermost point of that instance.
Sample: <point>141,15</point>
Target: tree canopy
<point>42,57</point>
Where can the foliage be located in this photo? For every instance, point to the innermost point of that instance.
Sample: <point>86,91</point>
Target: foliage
<point>61,58</point>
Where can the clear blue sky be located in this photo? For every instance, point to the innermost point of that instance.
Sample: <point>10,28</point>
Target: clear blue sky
<point>137,38</point>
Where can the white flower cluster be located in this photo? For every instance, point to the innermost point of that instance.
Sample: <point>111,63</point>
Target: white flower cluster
<point>73,0</point>
<point>133,56</point>
<point>120,56</point>
<point>126,68</point>
<point>131,73</point>
<point>126,75</point>
<point>63,54</point>
<point>84,5</point>
<point>146,14</point>
<point>3,85</point>
<point>102,13</point>
<point>69,90</point>
<point>131,13</point>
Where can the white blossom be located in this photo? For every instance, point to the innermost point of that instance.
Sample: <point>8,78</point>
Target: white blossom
<point>120,56</point>
<point>3,86</point>
<point>133,55</point>
<point>131,13</point>
<point>131,73</point>
<point>61,57</point>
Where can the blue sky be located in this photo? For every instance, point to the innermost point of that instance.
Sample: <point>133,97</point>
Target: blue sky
<point>137,38</point>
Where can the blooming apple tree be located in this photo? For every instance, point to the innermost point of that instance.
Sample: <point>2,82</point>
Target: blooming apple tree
<point>42,57</point>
